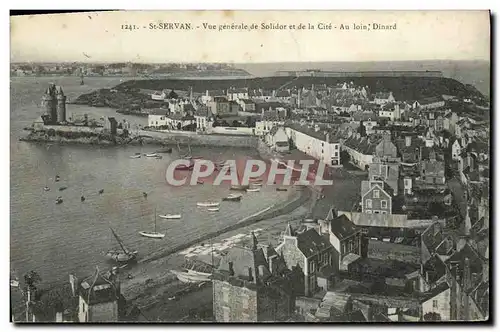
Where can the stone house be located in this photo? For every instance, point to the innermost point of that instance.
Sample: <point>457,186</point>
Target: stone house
<point>375,198</point>
<point>220,106</point>
<point>307,252</point>
<point>277,139</point>
<point>382,98</point>
<point>252,285</point>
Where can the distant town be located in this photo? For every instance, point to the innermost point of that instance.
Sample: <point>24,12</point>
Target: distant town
<point>410,244</point>
<point>121,69</point>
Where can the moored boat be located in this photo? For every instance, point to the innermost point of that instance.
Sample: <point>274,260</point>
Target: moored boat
<point>281,189</point>
<point>46,188</point>
<point>59,200</point>
<point>125,255</point>
<point>186,277</point>
<point>239,187</point>
<point>250,190</point>
<point>136,156</point>
<point>63,188</point>
<point>208,204</point>
<point>184,167</point>
<point>165,150</point>
<point>233,198</point>
<point>170,216</point>
<point>152,155</point>
<point>154,234</point>
<point>216,209</point>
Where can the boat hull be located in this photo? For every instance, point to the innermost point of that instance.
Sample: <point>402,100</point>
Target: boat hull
<point>152,235</point>
<point>208,204</point>
<point>187,277</point>
<point>172,216</point>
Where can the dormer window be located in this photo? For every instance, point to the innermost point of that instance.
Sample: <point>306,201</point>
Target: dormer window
<point>376,194</point>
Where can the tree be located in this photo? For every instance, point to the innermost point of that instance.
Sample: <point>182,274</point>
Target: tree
<point>432,317</point>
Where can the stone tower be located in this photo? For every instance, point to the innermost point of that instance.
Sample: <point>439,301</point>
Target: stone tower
<point>53,105</point>
<point>49,104</point>
<point>61,105</point>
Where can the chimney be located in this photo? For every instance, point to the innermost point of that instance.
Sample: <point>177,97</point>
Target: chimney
<point>206,93</point>
<point>74,283</point>
<point>250,275</point>
<point>408,141</point>
<point>231,270</point>
<point>274,93</point>
<point>327,138</point>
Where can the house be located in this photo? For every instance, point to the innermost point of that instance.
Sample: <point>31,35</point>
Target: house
<point>95,299</point>
<point>307,252</point>
<point>283,96</point>
<point>278,139</point>
<point>382,98</point>
<point>221,107</point>
<point>375,198</point>
<point>429,103</point>
<point>409,149</point>
<point>247,105</point>
<point>347,239</point>
<point>181,122</point>
<point>235,94</point>
<point>203,119</point>
<point>252,285</point>
<point>432,171</point>
<point>268,120</point>
<point>390,111</point>
<point>157,117</point>
<point>316,143</point>
<point>450,121</point>
<point>388,172</point>
<point>159,95</point>
<point>361,150</point>
<point>260,94</point>
<point>456,150</point>
<point>211,94</point>
<point>435,304</point>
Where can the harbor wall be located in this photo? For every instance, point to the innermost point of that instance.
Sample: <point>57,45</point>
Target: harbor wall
<point>196,139</point>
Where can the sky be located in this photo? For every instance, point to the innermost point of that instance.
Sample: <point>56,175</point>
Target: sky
<point>99,37</point>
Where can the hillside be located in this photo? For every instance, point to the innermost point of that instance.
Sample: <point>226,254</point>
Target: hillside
<point>403,88</point>
<point>127,95</point>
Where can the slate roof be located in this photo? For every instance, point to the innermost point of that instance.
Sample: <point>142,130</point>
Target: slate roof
<point>158,111</point>
<point>434,268</point>
<point>311,243</point>
<point>342,227</point>
<point>220,99</point>
<point>363,144</point>
<point>247,101</point>
<point>216,93</point>
<point>243,259</point>
<point>238,90</point>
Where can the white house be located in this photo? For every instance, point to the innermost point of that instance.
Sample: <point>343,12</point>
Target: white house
<point>157,95</point>
<point>456,149</point>
<point>316,143</point>
<point>237,94</point>
<point>390,111</point>
<point>211,94</point>
<point>361,150</point>
<point>157,117</point>
<point>247,105</point>
<point>437,301</point>
<point>429,103</point>
<point>382,98</point>
<point>278,139</point>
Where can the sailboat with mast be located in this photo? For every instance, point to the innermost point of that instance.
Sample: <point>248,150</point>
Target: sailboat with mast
<point>124,255</point>
<point>187,155</point>
<point>155,234</point>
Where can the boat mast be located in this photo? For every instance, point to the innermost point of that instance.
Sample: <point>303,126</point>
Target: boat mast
<point>155,220</point>
<point>119,241</point>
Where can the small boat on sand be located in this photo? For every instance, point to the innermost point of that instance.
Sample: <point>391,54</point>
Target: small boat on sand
<point>170,216</point>
<point>59,200</point>
<point>213,209</point>
<point>101,191</point>
<point>281,189</point>
<point>46,188</point>
<point>63,188</point>
<point>136,156</point>
<point>152,155</point>
<point>159,157</point>
<point>233,198</point>
<point>200,182</point>
<point>251,190</point>
<point>208,204</point>
<point>82,198</point>
<point>57,178</point>
<point>239,187</point>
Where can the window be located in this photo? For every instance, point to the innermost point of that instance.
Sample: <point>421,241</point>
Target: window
<point>335,154</point>
<point>368,203</point>
<point>376,211</point>
<point>434,304</point>
<point>376,194</point>
<point>226,313</point>
<point>383,212</point>
<point>383,204</point>
<point>225,295</point>
<point>336,147</point>
<point>313,267</point>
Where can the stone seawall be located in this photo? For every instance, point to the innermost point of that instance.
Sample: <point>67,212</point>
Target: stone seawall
<point>195,139</point>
